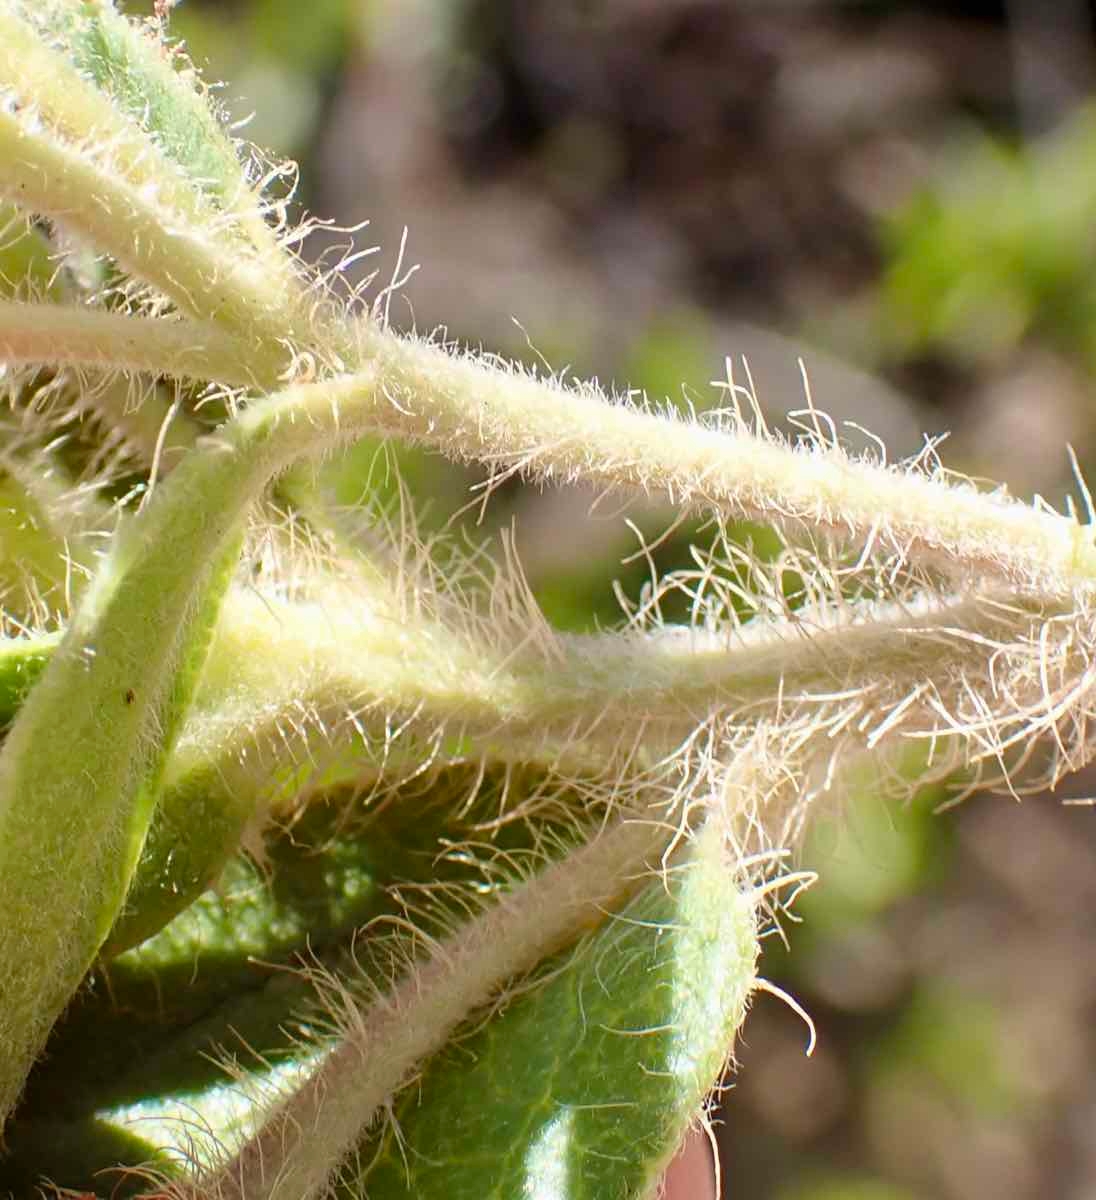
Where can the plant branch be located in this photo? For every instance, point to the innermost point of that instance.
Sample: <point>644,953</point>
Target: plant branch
<point>55,335</point>
<point>180,252</point>
<point>151,84</point>
<point>314,690</point>
<point>512,421</point>
<point>498,414</point>
<point>162,134</point>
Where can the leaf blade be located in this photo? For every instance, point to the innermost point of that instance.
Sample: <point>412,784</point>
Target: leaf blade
<point>583,1087</point>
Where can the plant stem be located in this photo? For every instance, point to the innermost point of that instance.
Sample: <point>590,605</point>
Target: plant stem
<point>515,423</point>
<point>64,335</point>
<point>182,256</point>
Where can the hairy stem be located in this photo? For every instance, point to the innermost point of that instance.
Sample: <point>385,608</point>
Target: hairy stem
<point>477,411</point>
<point>148,81</point>
<point>46,78</point>
<point>499,415</point>
<point>178,252</point>
<point>62,335</point>
<point>330,666</point>
<point>312,690</point>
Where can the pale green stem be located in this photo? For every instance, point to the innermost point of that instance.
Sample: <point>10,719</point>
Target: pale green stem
<point>78,780</point>
<point>184,258</point>
<point>146,79</point>
<point>64,335</point>
<point>311,692</point>
<point>78,769</point>
<point>130,412</point>
<point>514,422</point>
<point>48,80</point>
<point>314,682</point>
<point>303,673</point>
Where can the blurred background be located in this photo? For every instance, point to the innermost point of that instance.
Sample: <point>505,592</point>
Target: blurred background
<point>903,195</point>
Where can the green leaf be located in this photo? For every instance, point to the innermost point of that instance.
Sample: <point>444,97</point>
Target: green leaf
<point>80,769</point>
<point>74,1152</point>
<point>213,975</point>
<point>626,1036</point>
<point>145,1037</point>
<point>584,1085</point>
<point>143,1040</point>
<point>26,259</point>
<point>149,82</point>
<point>21,663</point>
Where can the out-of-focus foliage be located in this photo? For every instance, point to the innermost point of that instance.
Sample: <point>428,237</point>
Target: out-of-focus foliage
<point>281,65</point>
<point>844,1187</point>
<point>1000,248</point>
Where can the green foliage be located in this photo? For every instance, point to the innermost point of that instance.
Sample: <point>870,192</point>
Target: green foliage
<point>465,905</point>
<point>562,1112</point>
<point>842,1187</point>
<point>998,250</point>
<point>952,1042</point>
